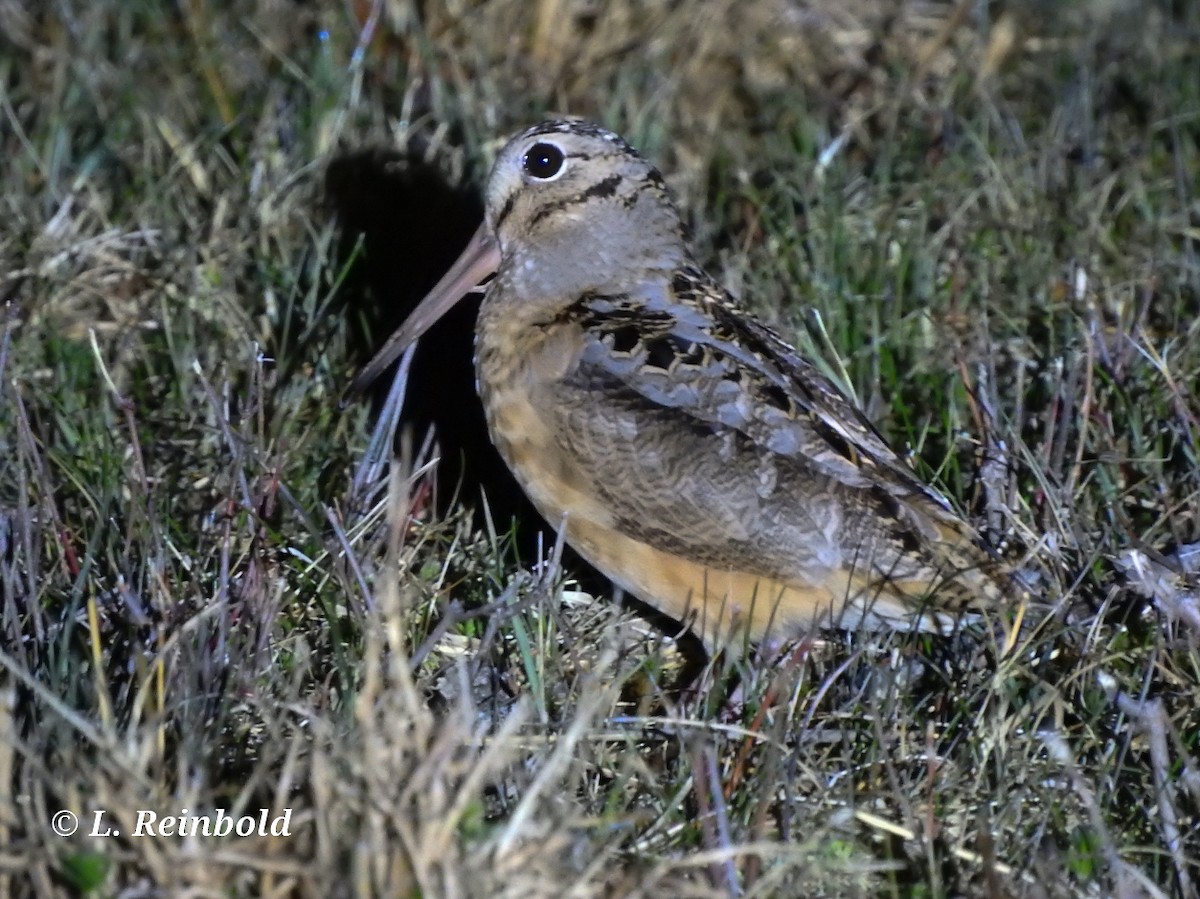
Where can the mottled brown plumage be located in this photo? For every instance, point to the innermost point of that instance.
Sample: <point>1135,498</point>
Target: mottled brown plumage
<point>689,452</point>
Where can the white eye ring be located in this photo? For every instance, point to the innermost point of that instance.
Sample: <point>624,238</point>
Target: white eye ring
<point>544,161</point>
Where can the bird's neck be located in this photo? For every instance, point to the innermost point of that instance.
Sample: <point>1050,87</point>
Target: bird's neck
<point>601,248</point>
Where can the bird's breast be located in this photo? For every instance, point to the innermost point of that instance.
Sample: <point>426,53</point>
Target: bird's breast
<point>517,367</point>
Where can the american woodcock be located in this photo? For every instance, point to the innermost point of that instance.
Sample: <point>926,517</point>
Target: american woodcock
<point>686,449</point>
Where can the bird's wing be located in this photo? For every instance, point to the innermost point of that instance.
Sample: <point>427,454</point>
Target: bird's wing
<point>776,458</point>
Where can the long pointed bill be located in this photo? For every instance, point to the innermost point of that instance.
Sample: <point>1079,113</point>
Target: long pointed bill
<point>480,259</point>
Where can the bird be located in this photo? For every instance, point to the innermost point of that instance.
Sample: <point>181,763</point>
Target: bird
<point>685,448</point>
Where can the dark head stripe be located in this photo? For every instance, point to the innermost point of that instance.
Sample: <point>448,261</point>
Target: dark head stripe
<point>587,129</point>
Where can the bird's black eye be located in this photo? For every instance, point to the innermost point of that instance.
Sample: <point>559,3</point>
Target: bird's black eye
<point>543,161</point>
